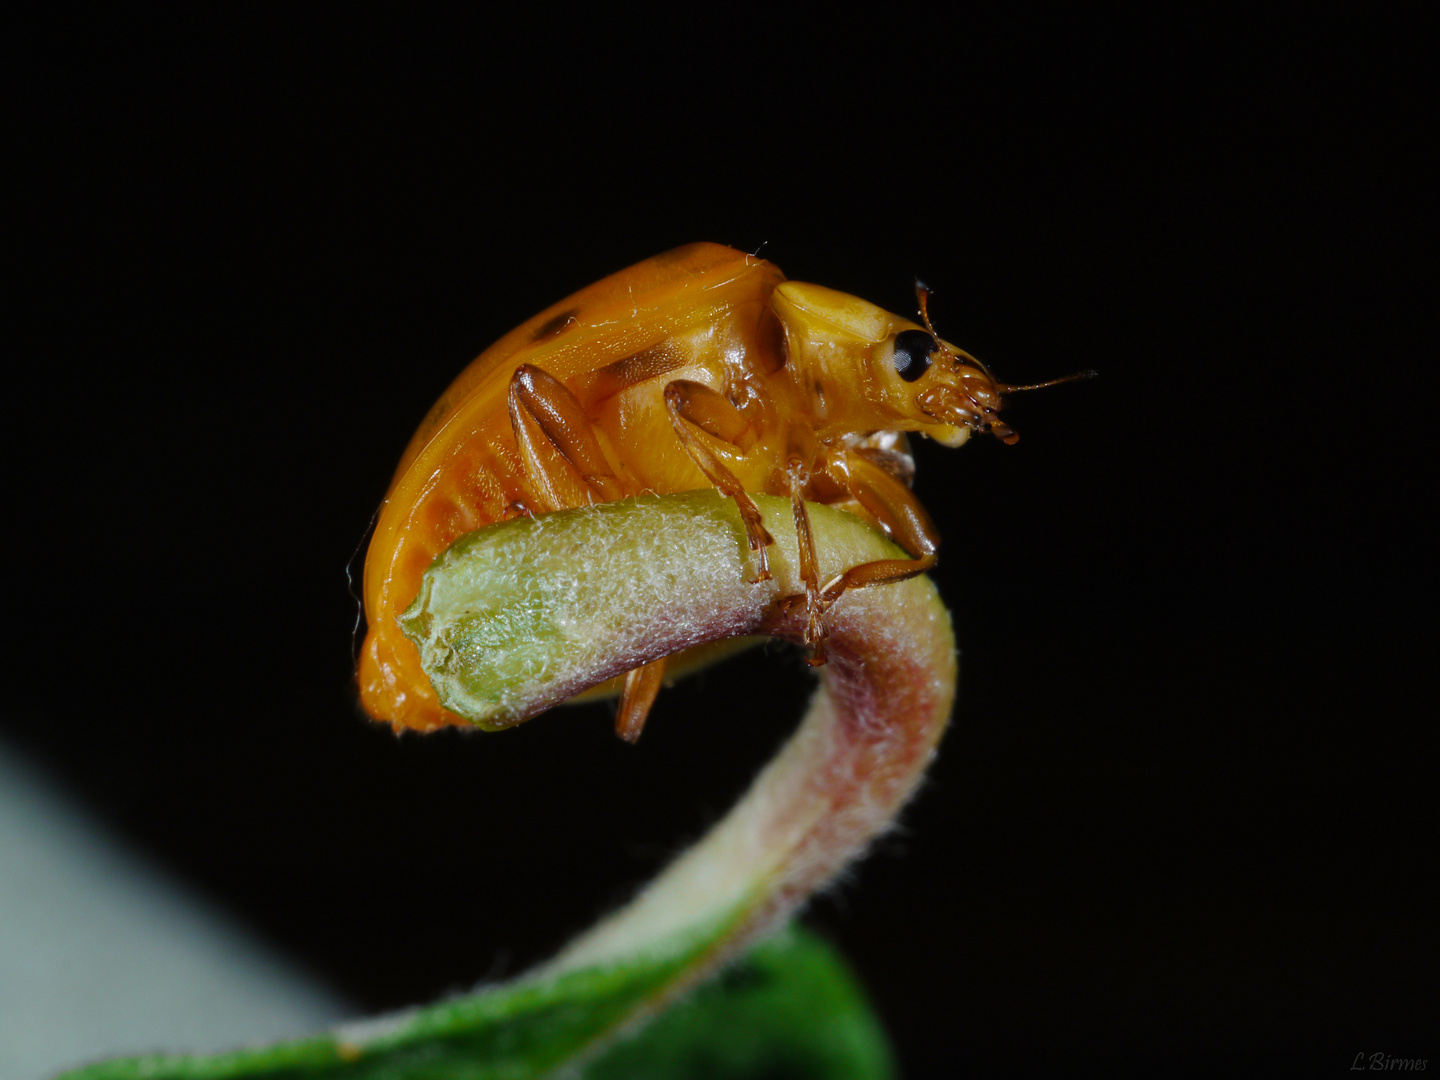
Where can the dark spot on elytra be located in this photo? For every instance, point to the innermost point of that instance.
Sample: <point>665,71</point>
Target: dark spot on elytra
<point>677,254</point>
<point>553,325</point>
<point>659,359</point>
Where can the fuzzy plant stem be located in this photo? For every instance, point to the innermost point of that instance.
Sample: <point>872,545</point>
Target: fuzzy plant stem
<point>516,618</point>
<point>520,616</point>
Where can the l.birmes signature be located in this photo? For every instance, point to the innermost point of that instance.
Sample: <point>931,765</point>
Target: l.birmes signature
<point>1382,1062</point>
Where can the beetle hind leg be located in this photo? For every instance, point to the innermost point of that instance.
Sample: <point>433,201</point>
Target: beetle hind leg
<point>642,684</point>
<point>561,457</point>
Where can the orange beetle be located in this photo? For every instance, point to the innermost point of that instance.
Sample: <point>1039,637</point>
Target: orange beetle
<point>700,367</point>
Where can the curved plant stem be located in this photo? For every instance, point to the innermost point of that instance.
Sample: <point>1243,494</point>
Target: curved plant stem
<point>644,578</point>
<point>520,616</point>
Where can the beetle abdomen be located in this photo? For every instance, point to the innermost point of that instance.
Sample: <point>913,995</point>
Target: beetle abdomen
<point>613,345</point>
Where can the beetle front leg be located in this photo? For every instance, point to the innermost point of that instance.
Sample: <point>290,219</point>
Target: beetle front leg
<point>691,403</point>
<point>900,515</point>
<point>892,506</point>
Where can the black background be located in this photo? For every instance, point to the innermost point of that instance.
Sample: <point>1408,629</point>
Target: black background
<point>1178,821</point>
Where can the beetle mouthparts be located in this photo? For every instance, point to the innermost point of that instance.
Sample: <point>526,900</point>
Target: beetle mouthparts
<point>953,407</point>
<point>948,406</point>
<point>1004,432</point>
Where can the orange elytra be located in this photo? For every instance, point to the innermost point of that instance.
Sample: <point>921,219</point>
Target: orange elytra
<point>701,367</point>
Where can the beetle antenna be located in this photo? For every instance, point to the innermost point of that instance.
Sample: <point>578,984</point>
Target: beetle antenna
<point>922,294</point>
<point>1006,388</point>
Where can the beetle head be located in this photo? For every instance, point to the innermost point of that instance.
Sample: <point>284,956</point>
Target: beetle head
<point>952,387</point>
<point>896,374</point>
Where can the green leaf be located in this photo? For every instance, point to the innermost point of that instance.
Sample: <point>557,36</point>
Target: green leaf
<point>789,1008</point>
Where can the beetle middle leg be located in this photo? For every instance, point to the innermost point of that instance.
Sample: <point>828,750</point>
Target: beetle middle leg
<point>809,566</point>
<point>691,403</point>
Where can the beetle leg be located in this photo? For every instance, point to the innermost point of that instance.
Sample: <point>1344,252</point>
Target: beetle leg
<point>555,437</point>
<point>879,572</point>
<point>809,566</point>
<point>900,515</point>
<point>887,499</point>
<point>692,403</point>
<point>641,686</point>
<point>516,508</point>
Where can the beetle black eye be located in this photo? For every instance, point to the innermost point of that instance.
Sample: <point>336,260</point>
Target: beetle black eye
<point>912,353</point>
